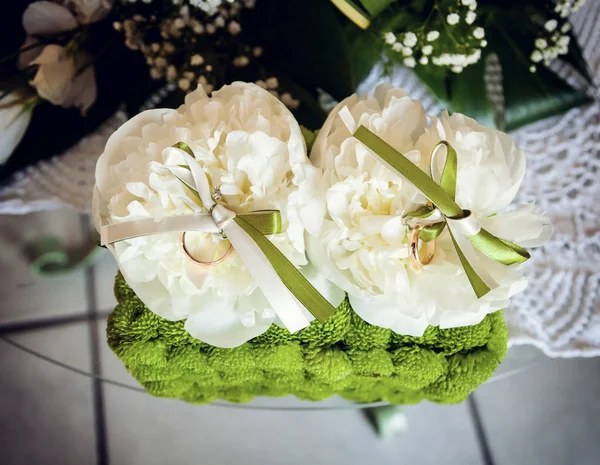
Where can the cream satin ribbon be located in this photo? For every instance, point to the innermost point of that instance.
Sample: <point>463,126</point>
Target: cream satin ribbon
<point>219,220</point>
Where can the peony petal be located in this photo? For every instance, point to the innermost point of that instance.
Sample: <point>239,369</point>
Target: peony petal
<point>223,326</point>
<point>46,18</point>
<point>524,225</point>
<point>387,315</point>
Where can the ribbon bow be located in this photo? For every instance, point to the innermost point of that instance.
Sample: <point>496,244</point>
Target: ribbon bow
<point>464,229</point>
<point>286,289</point>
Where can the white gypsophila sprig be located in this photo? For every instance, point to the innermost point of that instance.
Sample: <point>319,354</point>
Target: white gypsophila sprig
<point>177,56</point>
<point>554,39</point>
<point>444,39</point>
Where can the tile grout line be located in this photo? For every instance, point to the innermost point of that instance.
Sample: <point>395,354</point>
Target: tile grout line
<point>482,441</point>
<point>46,323</point>
<point>94,343</point>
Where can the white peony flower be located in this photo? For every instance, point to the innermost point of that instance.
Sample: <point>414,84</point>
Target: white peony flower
<point>251,147</point>
<point>357,238</point>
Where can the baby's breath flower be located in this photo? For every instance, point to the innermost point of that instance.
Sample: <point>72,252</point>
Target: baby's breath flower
<point>241,61</point>
<point>196,60</point>
<point>564,41</point>
<point>479,33</point>
<point>397,47</point>
<point>541,44</point>
<point>427,49</point>
<point>389,38</point>
<point>536,56</point>
<point>432,35</point>
<point>410,62</point>
<point>424,60</point>
<point>184,84</point>
<point>272,83</point>
<point>171,73</point>
<point>551,25</point>
<point>234,28</point>
<point>161,62</point>
<point>220,21</point>
<point>257,51</point>
<point>452,19</point>
<point>410,39</point>
<point>483,43</point>
<point>471,17</point>
<point>406,51</point>
<point>156,73</point>
<point>532,69</point>
<point>457,69</point>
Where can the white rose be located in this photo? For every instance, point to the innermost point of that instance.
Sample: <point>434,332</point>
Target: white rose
<point>14,120</point>
<point>60,81</point>
<point>360,242</point>
<point>250,145</point>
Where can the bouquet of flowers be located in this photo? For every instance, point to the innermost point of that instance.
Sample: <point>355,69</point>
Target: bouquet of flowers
<point>375,270</point>
<point>70,64</point>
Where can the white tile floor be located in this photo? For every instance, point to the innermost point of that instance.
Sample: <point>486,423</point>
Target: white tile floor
<point>547,414</point>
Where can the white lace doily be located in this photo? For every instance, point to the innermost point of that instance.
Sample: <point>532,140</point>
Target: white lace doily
<point>560,311</point>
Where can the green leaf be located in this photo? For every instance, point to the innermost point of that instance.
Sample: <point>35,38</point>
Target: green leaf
<point>366,48</point>
<point>306,41</point>
<point>374,7</point>
<point>469,94</point>
<point>529,97</point>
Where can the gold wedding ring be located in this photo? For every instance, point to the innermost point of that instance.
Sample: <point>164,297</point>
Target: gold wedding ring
<point>201,262</point>
<point>420,252</point>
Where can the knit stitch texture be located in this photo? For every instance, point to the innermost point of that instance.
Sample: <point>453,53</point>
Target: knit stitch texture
<point>344,356</point>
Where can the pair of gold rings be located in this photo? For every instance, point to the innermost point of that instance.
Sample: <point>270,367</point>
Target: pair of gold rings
<point>420,252</point>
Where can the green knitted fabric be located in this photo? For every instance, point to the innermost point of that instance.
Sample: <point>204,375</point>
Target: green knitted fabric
<point>345,356</point>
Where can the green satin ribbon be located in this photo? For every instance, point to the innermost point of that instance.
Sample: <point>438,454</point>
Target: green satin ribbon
<point>257,225</point>
<point>298,285</point>
<point>443,196</point>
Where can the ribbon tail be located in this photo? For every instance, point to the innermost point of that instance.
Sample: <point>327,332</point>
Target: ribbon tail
<point>276,292</point>
<point>297,286</point>
<point>480,279</point>
<point>498,249</point>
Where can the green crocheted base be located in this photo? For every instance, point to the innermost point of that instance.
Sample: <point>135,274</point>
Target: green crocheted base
<point>344,356</point>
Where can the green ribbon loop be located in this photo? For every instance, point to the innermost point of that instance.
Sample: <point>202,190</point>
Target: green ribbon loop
<point>261,223</point>
<point>443,197</point>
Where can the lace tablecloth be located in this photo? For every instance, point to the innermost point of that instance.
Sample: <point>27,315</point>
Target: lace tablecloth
<point>560,311</point>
